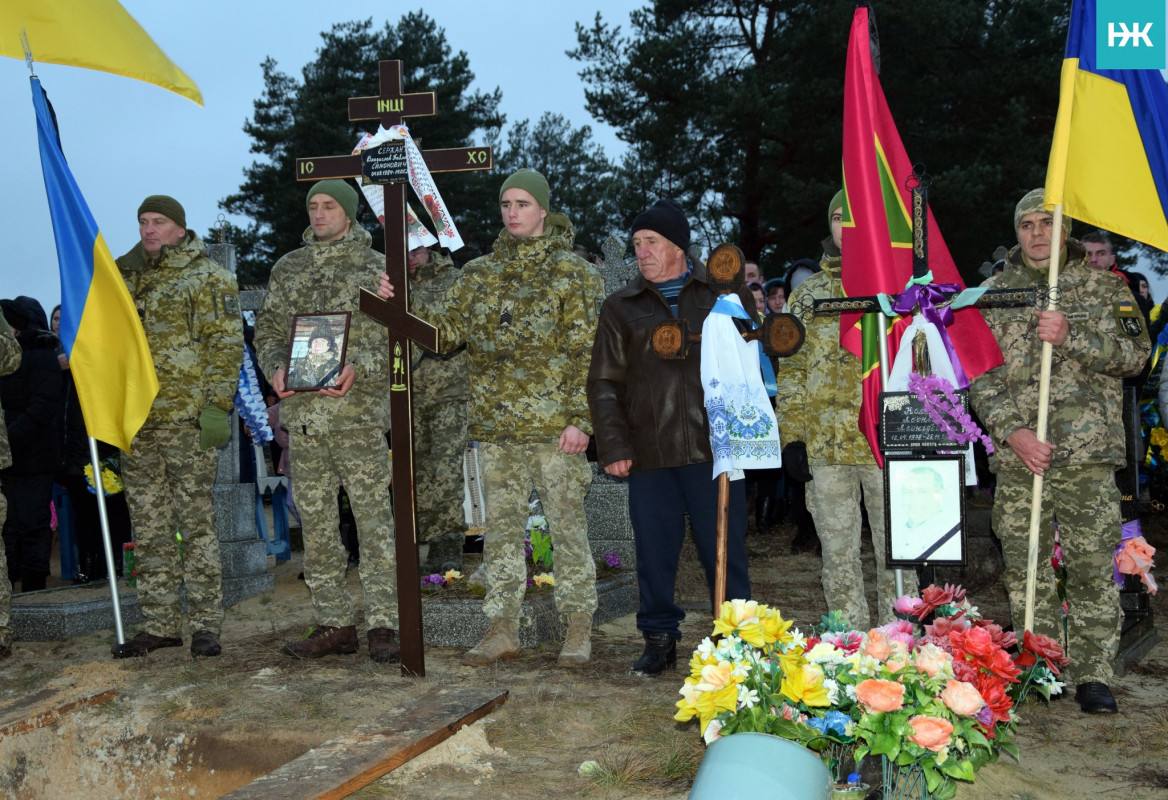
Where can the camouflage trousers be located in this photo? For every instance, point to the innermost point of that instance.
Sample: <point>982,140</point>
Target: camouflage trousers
<point>169,483</point>
<point>510,471</point>
<point>1085,501</point>
<point>833,498</point>
<point>5,587</point>
<point>358,458</point>
<point>439,442</point>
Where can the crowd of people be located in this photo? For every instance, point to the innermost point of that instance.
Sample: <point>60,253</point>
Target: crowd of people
<point>536,364</point>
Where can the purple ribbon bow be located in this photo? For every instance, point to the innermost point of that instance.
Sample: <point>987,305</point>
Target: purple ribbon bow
<point>925,297</point>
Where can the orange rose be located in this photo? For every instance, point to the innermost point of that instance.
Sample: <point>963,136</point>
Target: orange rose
<point>877,646</point>
<point>962,698</point>
<point>931,733</point>
<point>880,696</point>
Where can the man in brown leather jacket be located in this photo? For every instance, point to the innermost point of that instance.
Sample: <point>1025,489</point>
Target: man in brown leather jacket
<point>650,425</point>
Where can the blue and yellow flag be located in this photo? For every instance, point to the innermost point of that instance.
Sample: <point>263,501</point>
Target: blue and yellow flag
<point>103,337</point>
<point>1109,159</point>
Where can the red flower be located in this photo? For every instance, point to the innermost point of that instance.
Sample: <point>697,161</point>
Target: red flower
<point>976,644</point>
<point>964,671</point>
<point>1004,667</point>
<point>1002,639</point>
<point>1035,646</point>
<point>993,689</point>
<point>942,626</point>
<point>934,597</point>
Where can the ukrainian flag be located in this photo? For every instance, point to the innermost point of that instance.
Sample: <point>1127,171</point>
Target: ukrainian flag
<point>94,34</point>
<point>1109,159</point>
<point>108,354</point>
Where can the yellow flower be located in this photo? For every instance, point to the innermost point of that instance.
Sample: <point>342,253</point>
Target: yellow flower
<point>1159,437</point>
<point>544,579</point>
<point>757,625</point>
<point>705,705</point>
<point>803,683</point>
<point>452,575</point>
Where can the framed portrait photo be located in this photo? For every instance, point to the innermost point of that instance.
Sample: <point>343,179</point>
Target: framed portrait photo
<point>924,509</point>
<point>316,353</point>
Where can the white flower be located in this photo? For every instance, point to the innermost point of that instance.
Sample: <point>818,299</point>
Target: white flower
<point>712,731</point>
<point>741,669</point>
<point>833,690</point>
<point>747,698</point>
<point>706,648</point>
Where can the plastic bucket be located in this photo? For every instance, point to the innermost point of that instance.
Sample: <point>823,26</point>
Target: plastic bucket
<point>749,766</point>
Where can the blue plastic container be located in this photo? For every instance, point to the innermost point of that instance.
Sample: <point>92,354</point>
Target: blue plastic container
<point>749,766</point>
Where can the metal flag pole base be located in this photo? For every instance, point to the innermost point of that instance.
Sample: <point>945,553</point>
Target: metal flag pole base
<point>111,573</point>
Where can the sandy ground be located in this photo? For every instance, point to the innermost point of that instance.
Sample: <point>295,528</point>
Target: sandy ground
<point>198,729</point>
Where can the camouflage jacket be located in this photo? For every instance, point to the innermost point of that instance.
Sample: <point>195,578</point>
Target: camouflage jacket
<point>10,354</point>
<point>818,399</point>
<point>436,377</point>
<point>527,313</point>
<point>189,306</point>
<point>1107,341</point>
<point>326,277</point>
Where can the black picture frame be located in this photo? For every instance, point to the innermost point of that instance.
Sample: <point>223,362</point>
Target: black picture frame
<point>924,510</point>
<point>310,372</point>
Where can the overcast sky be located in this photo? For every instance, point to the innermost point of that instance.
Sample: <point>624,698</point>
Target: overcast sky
<point>125,139</point>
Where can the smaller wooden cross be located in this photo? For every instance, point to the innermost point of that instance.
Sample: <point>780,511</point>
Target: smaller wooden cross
<point>389,108</point>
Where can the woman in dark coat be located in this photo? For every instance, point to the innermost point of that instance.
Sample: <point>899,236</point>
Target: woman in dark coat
<point>31,398</point>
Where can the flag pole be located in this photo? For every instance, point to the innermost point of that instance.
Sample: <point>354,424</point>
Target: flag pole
<point>1056,252</point>
<point>111,573</point>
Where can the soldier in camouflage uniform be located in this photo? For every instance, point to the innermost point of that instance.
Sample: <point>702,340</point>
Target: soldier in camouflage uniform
<point>439,395</point>
<point>1098,337</point>
<point>10,354</point>
<point>526,313</point>
<point>189,307</point>
<point>818,402</point>
<point>337,431</point>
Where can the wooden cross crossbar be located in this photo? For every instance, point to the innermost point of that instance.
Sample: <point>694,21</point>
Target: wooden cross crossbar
<point>992,298</point>
<point>389,108</point>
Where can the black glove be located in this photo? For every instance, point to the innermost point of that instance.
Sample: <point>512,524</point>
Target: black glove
<point>795,462</point>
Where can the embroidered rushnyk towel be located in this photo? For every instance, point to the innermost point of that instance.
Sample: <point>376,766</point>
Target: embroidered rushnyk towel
<point>743,431</point>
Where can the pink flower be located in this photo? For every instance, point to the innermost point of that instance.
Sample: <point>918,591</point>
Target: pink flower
<point>931,733</point>
<point>907,604</point>
<point>962,698</point>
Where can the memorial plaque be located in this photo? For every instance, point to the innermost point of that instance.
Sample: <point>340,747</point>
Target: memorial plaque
<point>905,424</point>
<point>385,164</point>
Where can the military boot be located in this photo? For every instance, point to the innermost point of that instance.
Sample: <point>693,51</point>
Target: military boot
<point>660,654</point>
<point>499,643</point>
<point>325,640</point>
<point>578,643</point>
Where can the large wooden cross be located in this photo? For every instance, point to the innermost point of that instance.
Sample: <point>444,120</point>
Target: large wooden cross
<point>390,107</point>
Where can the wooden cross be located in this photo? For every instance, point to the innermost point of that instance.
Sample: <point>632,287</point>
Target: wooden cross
<point>390,107</point>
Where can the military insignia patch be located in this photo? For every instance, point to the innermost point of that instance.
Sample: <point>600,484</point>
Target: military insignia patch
<point>1078,316</point>
<point>1129,318</point>
<point>506,313</point>
<point>231,304</point>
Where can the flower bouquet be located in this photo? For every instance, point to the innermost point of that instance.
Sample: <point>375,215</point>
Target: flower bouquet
<point>934,704</point>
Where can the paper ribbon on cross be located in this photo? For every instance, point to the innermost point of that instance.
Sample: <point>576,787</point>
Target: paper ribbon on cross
<point>423,186</point>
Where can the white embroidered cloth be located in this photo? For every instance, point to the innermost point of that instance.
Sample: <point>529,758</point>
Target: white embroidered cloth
<point>743,431</point>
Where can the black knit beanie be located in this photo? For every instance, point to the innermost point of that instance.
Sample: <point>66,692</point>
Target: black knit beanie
<point>665,218</point>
